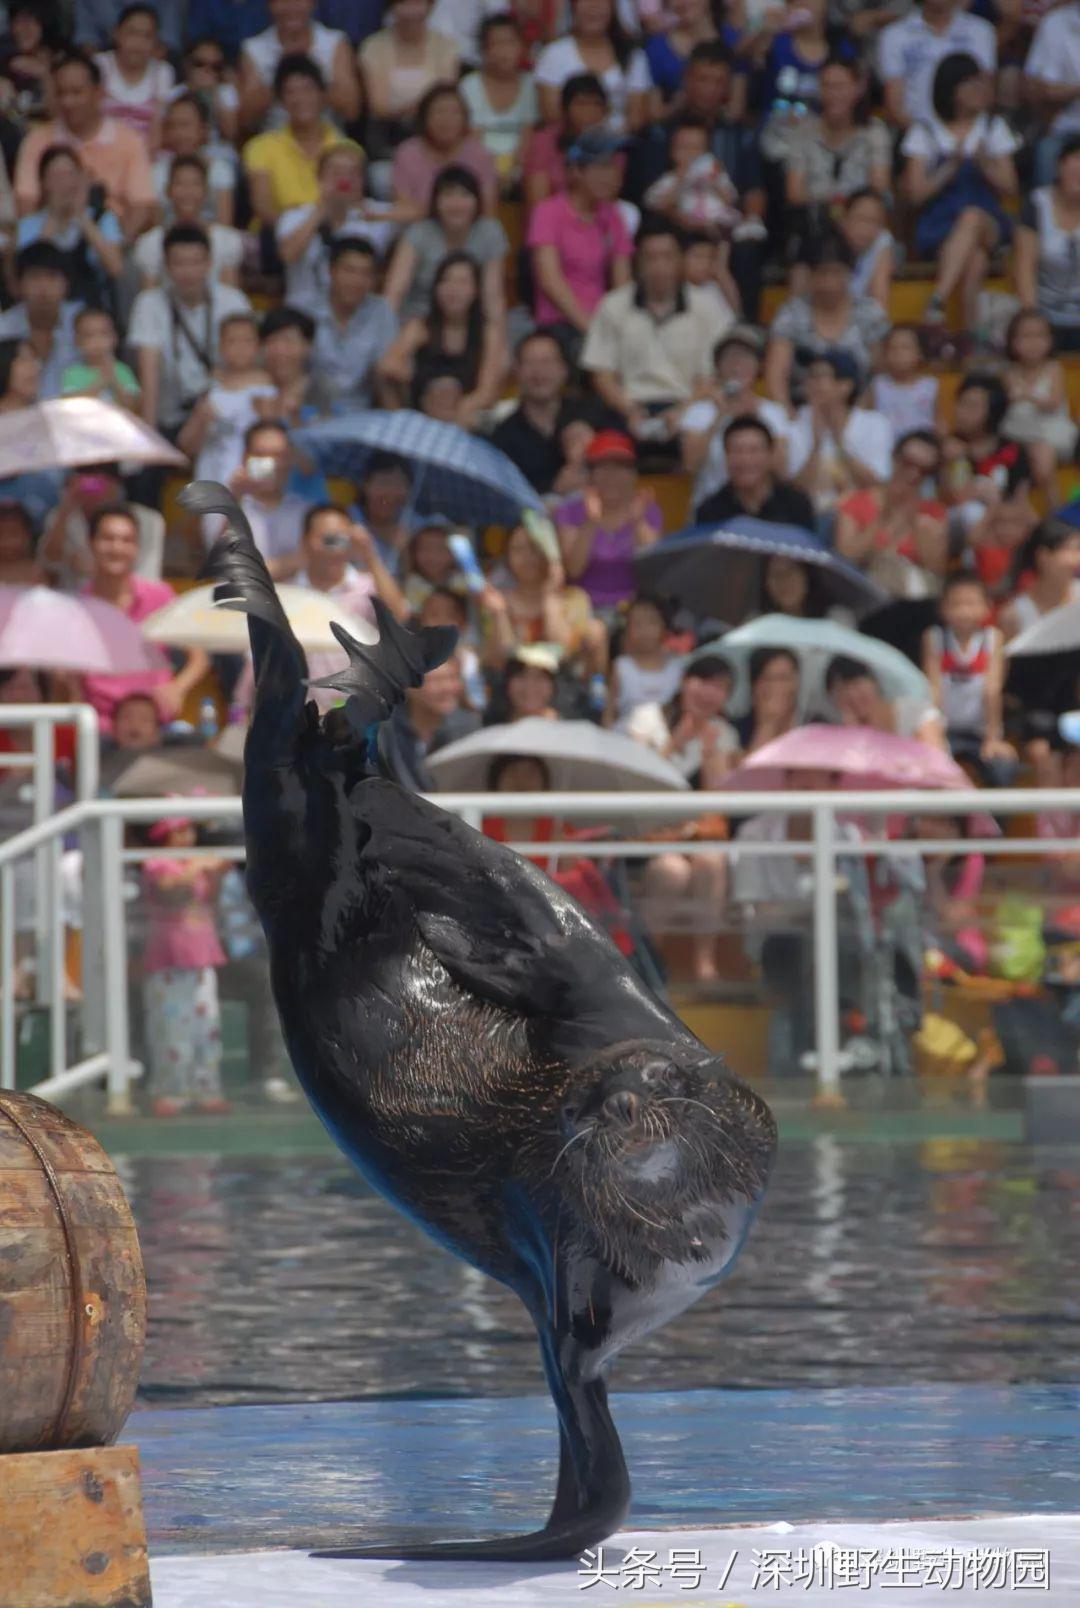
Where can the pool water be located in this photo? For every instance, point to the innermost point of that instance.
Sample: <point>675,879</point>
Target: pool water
<point>898,1340</point>
<point>871,1265</point>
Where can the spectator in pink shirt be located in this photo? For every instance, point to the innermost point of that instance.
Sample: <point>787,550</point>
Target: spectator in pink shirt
<point>580,245</point>
<point>114,553</point>
<point>114,156</point>
<point>585,105</point>
<point>443,139</point>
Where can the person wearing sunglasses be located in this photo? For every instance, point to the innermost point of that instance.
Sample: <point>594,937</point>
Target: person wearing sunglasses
<point>897,532</point>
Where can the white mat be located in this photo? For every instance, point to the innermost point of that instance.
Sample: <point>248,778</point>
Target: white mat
<point>961,1563</point>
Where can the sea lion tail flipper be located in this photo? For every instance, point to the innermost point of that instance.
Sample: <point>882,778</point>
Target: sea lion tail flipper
<point>377,675</point>
<point>591,1500</point>
<point>243,582</point>
<point>234,562</point>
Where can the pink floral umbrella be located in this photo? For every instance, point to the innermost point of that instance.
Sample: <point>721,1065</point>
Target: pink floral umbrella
<point>862,758</point>
<point>45,630</point>
<point>68,431</point>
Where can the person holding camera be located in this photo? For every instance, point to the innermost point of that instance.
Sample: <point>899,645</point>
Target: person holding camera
<point>74,218</point>
<point>338,558</point>
<point>306,235</point>
<point>174,329</point>
<point>276,514</point>
<point>732,394</point>
<point>114,156</point>
<point>65,549</point>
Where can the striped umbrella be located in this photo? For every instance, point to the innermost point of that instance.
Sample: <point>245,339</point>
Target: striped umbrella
<point>716,570</point>
<point>454,473</point>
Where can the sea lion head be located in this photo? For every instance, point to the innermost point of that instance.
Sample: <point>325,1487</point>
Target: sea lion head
<point>661,1152</point>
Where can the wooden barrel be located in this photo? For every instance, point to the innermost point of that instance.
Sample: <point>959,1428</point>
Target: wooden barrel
<point>72,1292</point>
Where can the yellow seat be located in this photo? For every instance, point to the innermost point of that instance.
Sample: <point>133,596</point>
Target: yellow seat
<point>672,495</point>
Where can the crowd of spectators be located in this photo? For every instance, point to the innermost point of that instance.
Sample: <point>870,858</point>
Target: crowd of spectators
<point>816,263</point>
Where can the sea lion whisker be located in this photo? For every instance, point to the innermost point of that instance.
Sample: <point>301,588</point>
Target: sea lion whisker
<point>684,1099</point>
<point>584,1134</point>
<point>622,1200</point>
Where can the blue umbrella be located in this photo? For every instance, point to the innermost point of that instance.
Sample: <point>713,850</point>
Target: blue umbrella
<point>454,473</point>
<point>716,570</point>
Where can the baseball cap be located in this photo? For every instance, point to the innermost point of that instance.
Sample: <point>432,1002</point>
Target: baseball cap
<point>747,335</point>
<point>594,145</point>
<point>610,446</point>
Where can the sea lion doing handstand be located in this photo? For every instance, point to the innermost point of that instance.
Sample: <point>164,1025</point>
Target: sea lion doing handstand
<point>480,1050</point>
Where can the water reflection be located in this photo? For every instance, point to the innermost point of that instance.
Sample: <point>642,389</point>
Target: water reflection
<point>871,1264</point>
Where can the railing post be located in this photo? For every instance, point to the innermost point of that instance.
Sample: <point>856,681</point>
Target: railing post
<point>94,982</point>
<point>114,951</point>
<point>44,802</point>
<point>826,958</point>
<point>7,976</point>
<point>87,753</point>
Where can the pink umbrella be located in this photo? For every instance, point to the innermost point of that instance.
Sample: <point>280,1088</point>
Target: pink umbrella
<point>864,758</point>
<point>45,630</point>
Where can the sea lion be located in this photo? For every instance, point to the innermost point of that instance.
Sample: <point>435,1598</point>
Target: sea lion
<point>483,1054</point>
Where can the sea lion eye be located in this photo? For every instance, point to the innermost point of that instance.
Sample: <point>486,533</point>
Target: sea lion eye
<point>655,1073</point>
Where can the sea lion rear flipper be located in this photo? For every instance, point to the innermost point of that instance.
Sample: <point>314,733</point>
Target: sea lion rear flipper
<point>591,1500</point>
<point>377,677</point>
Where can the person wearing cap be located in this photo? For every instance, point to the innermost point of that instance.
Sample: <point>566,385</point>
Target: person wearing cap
<point>834,447</point>
<point>737,358</point>
<point>602,529</point>
<point>578,241</point>
<point>649,347</point>
<point>528,687</point>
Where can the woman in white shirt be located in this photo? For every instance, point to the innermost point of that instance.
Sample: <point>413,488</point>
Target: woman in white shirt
<point>294,32</point>
<point>136,82</point>
<point>959,167</point>
<point>596,44</point>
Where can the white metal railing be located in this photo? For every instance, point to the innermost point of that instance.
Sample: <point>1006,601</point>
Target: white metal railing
<point>100,824</point>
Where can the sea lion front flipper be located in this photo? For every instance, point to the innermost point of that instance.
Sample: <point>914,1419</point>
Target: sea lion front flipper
<point>591,1500</point>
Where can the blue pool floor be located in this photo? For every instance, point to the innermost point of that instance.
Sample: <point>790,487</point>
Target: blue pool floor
<point>248,1478</point>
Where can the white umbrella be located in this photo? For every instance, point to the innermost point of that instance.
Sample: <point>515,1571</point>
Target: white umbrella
<point>71,431</point>
<point>194,620</point>
<point>814,643</point>
<point>580,757</point>
<point>1055,632</point>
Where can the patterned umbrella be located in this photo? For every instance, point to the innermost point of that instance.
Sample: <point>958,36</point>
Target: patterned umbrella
<point>716,570</point>
<point>454,473</point>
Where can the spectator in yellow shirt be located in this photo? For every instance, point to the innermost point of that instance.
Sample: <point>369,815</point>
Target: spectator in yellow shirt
<point>283,165</point>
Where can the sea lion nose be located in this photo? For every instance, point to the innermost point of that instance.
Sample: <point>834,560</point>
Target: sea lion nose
<point>622,1106</point>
